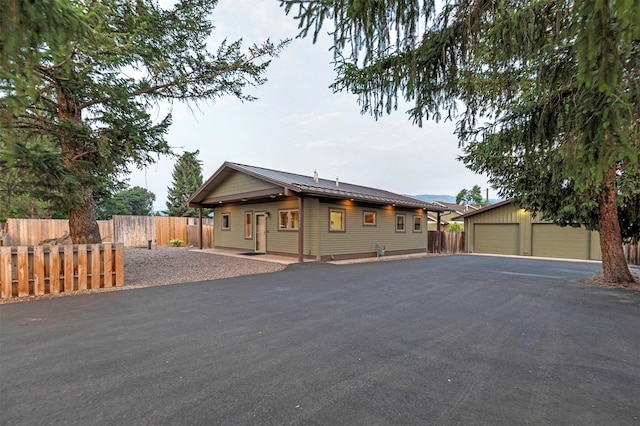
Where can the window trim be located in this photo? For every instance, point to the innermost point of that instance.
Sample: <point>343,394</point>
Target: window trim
<point>289,220</point>
<point>248,214</point>
<point>417,216</point>
<point>222,217</point>
<point>404,223</point>
<point>369,212</point>
<point>343,212</point>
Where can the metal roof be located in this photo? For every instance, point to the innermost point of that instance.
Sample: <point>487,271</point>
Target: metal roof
<point>306,185</point>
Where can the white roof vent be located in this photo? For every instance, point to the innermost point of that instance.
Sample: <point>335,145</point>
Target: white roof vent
<point>315,176</point>
<point>337,181</point>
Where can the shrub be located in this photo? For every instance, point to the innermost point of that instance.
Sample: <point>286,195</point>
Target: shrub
<point>176,242</point>
<point>455,227</point>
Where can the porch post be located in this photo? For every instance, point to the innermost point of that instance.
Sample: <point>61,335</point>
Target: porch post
<point>300,229</point>
<point>439,237</point>
<point>200,227</point>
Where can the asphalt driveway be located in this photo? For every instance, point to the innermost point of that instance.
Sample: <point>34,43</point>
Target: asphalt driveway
<point>439,340</point>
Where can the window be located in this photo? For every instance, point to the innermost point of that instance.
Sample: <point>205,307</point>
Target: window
<point>417,224</point>
<point>288,220</point>
<point>226,221</point>
<point>369,218</point>
<point>248,225</point>
<point>336,220</point>
<point>400,220</point>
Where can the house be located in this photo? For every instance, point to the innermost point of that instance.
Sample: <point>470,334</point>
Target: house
<point>269,211</point>
<point>451,216</point>
<point>506,228</point>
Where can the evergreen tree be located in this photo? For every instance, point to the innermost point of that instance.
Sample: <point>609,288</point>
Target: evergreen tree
<point>186,179</point>
<point>549,90</point>
<point>84,73</point>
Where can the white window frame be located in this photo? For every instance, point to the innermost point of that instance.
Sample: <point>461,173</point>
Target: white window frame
<point>248,227</point>
<point>364,218</point>
<point>404,222</point>
<point>290,222</point>
<point>228,220</point>
<point>419,223</point>
<point>343,220</point>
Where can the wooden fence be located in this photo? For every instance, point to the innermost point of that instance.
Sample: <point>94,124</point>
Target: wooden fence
<point>132,231</point>
<point>632,253</point>
<point>39,270</point>
<point>446,242</point>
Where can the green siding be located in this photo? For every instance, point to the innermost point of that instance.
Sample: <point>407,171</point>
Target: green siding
<point>318,241</point>
<point>239,183</point>
<point>360,239</point>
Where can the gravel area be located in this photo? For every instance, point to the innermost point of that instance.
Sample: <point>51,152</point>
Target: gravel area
<point>173,265</point>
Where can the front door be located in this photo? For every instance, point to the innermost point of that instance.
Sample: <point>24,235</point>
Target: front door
<point>261,233</point>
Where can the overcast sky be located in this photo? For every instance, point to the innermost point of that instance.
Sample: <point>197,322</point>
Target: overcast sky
<point>299,125</point>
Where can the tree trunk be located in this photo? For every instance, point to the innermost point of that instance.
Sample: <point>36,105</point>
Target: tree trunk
<point>83,227</point>
<point>614,265</point>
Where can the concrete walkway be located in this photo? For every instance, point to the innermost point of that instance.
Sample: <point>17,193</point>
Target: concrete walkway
<point>288,260</point>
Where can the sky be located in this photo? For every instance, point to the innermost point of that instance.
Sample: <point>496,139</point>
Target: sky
<point>299,125</point>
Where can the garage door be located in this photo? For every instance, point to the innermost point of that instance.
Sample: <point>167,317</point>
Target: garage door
<point>548,240</point>
<point>496,238</point>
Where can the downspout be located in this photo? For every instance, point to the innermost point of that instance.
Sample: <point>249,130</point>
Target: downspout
<point>300,229</point>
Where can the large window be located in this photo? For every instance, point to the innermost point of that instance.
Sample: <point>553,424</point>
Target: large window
<point>288,220</point>
<point>400,223</point>
<point>248,225</point>
<point>417,224</point>
<point>369,218</point>
<point>337,220</point>
<point>226,221</point>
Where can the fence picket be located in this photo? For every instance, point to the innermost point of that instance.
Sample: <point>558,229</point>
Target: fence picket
<point>5,266</point>
<point>108,266</point>
<point>82,266</point>
<point>68,268</point>
<point>95,266</point>
<point>38,270</point>
<point>119,266</point>
<point>23,271</point>
<point>54,269</point>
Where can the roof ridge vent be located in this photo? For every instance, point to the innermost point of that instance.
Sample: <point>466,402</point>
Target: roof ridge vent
<point>315,176</point>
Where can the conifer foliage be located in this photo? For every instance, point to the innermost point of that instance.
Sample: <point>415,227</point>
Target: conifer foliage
<point>186,179</point>
<point>545,94</point>
<point>84,74</point>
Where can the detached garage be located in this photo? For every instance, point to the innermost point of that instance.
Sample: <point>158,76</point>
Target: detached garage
<point>505,228</point>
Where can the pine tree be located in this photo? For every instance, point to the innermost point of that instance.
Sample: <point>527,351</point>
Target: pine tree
<point>66,74</point>
<point>546,95</point>
<point>186,179</point>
